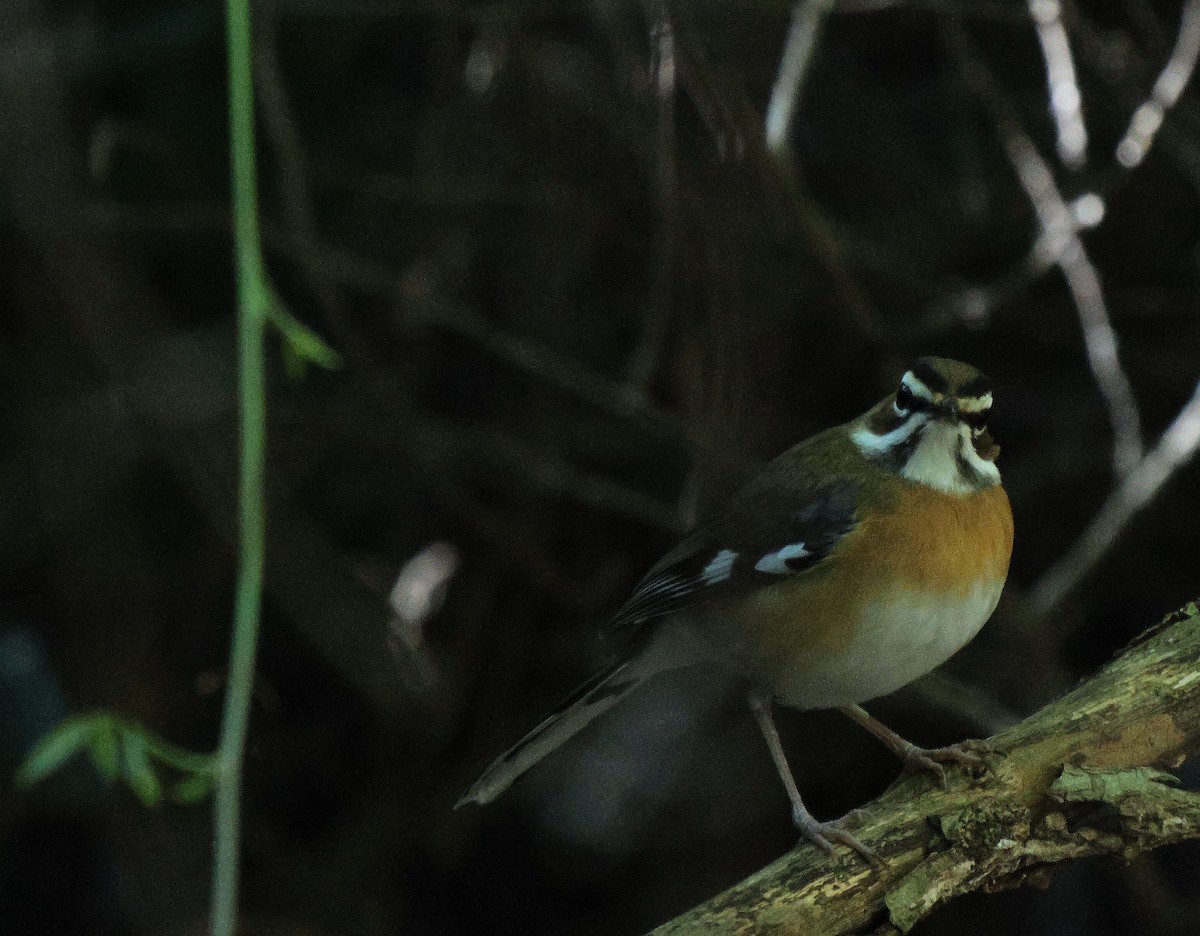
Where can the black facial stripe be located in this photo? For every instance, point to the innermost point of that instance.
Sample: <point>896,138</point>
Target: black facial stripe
<point>896,457</point>
<point>975,387</point>
<point>925,373</point>
<point>966,470</point>
<point>909,401</point>
<point>975,420</point>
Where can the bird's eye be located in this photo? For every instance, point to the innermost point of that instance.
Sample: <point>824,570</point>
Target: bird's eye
<point>904,401</point>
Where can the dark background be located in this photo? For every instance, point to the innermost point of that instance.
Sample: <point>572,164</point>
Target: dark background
<point>577,305</point>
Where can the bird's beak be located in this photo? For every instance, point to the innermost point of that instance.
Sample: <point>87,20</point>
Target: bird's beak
<point>948,412</point>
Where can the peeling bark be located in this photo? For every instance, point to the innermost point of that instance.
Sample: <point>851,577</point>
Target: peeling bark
<point>1080,777</point>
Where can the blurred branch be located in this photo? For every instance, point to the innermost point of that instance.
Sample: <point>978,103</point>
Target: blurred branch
<point>93,298</point>
<point>975,304</point>
<point>1073,780</point>
<point>967,700</point>
<point>509,455</point>
<point>568,374</point>
<point>1167,88</point>
<point>808,16</point>
<point>448,190</point>
<point>1174,449</point>
<point>721,100</point>
<point>535,10</point>
<point>1066,103</point>
<point>645,357</point>
<point>1116,61</point>
<point>1060,240</point>
<point>981,10</point>
<point>279,127</point>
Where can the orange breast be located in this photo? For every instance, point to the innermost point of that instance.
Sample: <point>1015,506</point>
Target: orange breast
<point>922,541</point>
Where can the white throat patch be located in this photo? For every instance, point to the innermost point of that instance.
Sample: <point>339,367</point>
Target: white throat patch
<point>945,459</point>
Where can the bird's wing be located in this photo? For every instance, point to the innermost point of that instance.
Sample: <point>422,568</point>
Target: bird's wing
<point>762,537</point>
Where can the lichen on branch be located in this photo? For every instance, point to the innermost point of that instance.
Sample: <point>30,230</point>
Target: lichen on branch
<point>1083,776</point>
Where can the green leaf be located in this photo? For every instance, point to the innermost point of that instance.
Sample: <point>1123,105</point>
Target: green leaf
<point>138,770</point>
<point>294,363</point>
<point>300,340</point>
<point>193,789</point>
<point>71,736</point>
<point>181,759</point>
<point>104,746</point>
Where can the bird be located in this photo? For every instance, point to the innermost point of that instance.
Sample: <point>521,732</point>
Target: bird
<point>854,563</point>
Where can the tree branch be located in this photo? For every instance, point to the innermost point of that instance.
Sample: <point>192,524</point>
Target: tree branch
<point>1073,780</point>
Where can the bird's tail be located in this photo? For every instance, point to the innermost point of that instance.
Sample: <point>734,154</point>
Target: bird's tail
<point>595,697</point>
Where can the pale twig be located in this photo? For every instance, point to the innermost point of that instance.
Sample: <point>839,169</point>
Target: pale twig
<point>1060,240</point>
<point>416,596</point>
<point>646,353</point>
<point>1174,449</point>
<point>721,99</point>
<point>975,10</point>
<point>974,305</point>
<point>1170,84</point>
<point>1066,103</point>
<point>808,16</point>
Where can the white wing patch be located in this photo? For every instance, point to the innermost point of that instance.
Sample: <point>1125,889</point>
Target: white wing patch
<point>775,563</point>
<point>720,568</point>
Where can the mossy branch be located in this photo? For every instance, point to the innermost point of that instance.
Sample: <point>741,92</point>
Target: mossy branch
<point>1077,778</point>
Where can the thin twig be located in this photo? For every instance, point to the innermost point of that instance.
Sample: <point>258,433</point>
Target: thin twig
<point>808,16</point>
<point>1170,84</point>
<point>1066,102</point>
<point>1061,241</point>
<point>1175,448</point>
<point>370,276</point>
<point>976,10</point>
<point>547,365</point>
<point>253,302</point>
<point>279,127</point>
<point>646,353</point>
<point>737,126</point>
<point>975,304</point>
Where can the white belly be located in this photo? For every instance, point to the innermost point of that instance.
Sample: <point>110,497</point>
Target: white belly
<point>894,644</point>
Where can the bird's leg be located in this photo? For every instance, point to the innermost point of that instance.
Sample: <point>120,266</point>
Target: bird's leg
<point>925,758</point>
<point>821,834</point>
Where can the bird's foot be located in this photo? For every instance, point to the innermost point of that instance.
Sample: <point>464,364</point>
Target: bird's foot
<point>931,759</point>
<point>824,834</point>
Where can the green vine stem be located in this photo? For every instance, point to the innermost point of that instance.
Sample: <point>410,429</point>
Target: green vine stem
<point>254,300</point>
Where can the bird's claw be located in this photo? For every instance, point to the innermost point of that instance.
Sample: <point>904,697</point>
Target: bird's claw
<point>824,834</point>
<point>931,759</point>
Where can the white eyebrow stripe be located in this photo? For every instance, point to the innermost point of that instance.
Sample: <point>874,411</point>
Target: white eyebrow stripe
<point>918,388</point>
<point>775,563</point>
<point>965,404</point>
<point>975,404</point>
